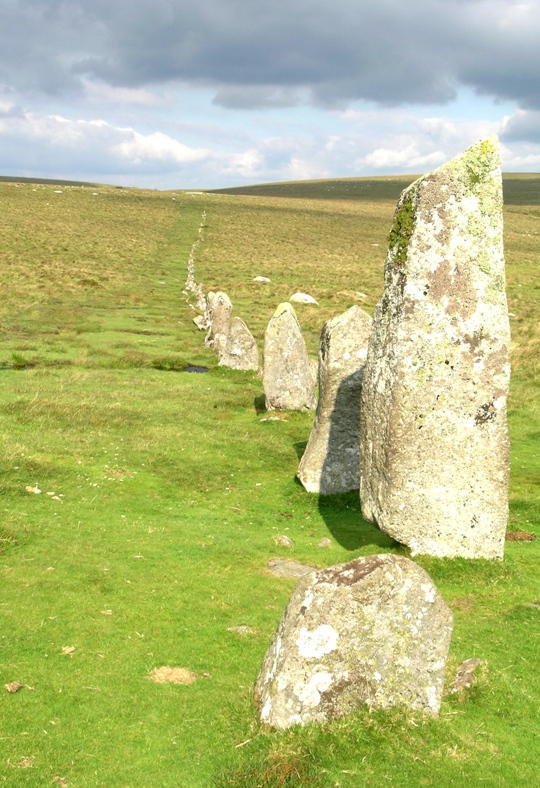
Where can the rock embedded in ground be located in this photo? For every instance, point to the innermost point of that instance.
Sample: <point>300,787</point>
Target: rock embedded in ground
<point>287,380</point>
<point>330,463</point>
<point>288,567</point>
<point>282,540</point>
<point>239,351</point>
<point>465,675</point>
<point>13,686</point>
<point>242,629</point>
<point>434,438</point>
<point>303,298</point>
<point>219,317</point>
<point>374,632</point>
<point>263,279</point>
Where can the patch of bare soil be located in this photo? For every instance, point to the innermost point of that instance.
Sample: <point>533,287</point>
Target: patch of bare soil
<point>520,536</point>
<point>172,675</point>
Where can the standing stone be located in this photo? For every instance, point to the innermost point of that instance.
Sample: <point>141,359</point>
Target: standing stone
<point>374,631</point>
<point>330,463</point>
<point>240,350</point>
<point>219,308</point>
<point>434,442</point>
<point>287,380</point>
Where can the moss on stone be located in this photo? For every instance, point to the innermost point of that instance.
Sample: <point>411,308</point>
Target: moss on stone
<point>402,227</point>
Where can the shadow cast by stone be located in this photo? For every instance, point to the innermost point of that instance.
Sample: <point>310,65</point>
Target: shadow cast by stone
<point>299,448</point>
<point>341,511</point>
<point>259,403</point>
<point>341,514</point>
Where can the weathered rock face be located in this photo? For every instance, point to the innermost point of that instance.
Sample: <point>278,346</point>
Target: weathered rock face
<point>330,463</point>
<point>433,432</point>
<point>287,380</point>
<point>218,312</point>
<point>240,349</point>
<point>374,631</point>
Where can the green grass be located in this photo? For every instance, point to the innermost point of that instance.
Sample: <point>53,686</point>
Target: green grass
<point>172,489</point>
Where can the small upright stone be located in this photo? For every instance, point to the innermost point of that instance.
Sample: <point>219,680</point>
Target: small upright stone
<point>287,380</point>
<point>330,463</point>
<point>240,350</point>
<point>433,432</point>
<point>219,308</point>
<point>374,632</point>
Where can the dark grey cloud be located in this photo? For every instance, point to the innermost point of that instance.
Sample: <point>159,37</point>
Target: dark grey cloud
<point>254,53</point>
<point>524,126</point>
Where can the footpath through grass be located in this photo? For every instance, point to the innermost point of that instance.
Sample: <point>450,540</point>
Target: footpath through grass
<point>167,490</point>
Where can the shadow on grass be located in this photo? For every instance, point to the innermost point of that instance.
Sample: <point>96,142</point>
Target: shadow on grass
<point>259,403</point>
<point>300,449</point>
<point>342,516</point>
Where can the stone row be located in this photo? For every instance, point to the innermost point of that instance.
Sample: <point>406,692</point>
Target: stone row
<point>433,457</point>
<point>411,410</point>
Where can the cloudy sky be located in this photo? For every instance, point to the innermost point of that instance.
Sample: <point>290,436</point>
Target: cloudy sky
<point>209,93</point>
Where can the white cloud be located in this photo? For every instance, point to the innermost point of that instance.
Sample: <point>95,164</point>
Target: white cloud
<point>397,159</point>
<point>371,143</point>
<point>300,169</point>
<point>138,148</point>
<point>244,165</point>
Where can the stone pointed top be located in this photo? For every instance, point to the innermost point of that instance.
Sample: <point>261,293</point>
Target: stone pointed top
<point>285,306</point>
<point>219,296</point>
<point>478,164</point>
<point>350,315</point>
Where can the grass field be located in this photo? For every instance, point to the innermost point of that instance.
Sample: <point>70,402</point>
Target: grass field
<point>162,492</point>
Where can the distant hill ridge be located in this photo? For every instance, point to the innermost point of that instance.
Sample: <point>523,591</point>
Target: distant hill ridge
<point>519,188</point>
<point>46,181</point>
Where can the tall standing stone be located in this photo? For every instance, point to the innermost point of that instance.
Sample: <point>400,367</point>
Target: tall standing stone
<point>219,308</point>
<point>287,379</point>
<point>374,632</point>
<point>240,350</point>
<point>330,463</point>
<point>434,442</point>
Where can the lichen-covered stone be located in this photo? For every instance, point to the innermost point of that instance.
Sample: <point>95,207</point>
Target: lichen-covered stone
<point>374,632</point>
<point>433,443</point>
<point>240,348</point>
<point>330,463</point>
<point>287,380</point>
<point>218,313</point>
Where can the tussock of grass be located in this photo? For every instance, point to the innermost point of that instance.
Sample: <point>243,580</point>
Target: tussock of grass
<point>167,490</point>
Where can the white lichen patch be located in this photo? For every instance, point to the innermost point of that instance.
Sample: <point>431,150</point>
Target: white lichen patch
<point>309,693</point>
<point>317,643</point>
<point>432,697</point>
<point>266,709</point>
<point>430,592</point>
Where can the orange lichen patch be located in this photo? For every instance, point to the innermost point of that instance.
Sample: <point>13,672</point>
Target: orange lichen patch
<point>172,675</point>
